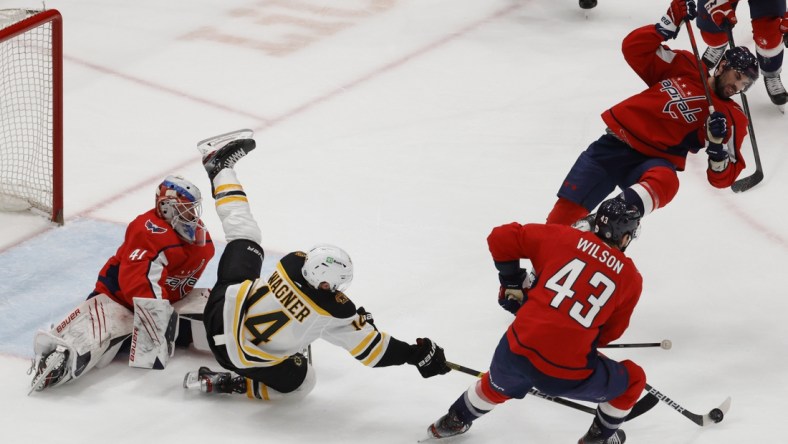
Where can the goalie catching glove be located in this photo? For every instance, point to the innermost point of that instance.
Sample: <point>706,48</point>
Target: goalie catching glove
<point>428,358</point>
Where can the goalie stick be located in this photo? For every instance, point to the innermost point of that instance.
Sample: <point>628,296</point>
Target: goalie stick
<point>745,183</point>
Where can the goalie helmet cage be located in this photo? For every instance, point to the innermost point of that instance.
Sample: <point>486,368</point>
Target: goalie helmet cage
<point>31,111</point>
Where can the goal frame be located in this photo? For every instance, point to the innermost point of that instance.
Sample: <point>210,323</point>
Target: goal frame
<point>40,18</point>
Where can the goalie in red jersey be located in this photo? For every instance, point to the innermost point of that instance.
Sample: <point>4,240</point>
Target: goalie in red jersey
<point>164,253</point>
<point>650,134</point>
<point>583,299</point>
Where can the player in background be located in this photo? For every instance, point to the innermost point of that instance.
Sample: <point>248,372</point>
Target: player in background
<point>164,253</point>
<point>585,295</point>
<point>260,329</point>
<point>769,30</point>
<point>650,134</point>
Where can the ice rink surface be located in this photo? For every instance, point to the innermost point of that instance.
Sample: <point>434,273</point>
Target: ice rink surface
<point>403,131</point>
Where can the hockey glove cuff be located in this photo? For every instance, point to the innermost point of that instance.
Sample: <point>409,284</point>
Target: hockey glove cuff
<point>678,11</point>
<point>718,157</point>
<point>428,358</point>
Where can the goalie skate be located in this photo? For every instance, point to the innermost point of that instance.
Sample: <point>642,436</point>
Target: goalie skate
<point>51,369</point>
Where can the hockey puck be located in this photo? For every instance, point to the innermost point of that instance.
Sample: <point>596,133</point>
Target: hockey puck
<point>716,415</point>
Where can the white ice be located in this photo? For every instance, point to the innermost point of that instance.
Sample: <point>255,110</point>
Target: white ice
<point>403,131</point>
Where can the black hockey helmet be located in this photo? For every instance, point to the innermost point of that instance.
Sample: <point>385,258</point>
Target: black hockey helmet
<point>615,219</point>
<point>741,59</point>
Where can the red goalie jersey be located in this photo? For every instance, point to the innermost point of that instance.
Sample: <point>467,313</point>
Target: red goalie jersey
<point>153,262</point>
<point>583,297</point>
<point>676,105</point>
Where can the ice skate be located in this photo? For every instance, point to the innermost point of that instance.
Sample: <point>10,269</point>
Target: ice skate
<point>594,436</point>
<point>224,154</point>
<point>50,371</point>
<point>586,223</point>
<point>711,56</point>
<point>776,91</point>
<point>448,425</point>
<point>208,381</point>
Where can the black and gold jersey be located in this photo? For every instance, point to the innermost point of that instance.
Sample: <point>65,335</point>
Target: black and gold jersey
<point>266,321</point>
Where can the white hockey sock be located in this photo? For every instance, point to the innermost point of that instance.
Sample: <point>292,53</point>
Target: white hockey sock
<point>233,208</point>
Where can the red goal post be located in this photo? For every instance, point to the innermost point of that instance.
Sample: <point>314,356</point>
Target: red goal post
<point>31,111</point>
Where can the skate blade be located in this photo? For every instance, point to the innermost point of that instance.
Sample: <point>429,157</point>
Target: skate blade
<point>37,383</point>
<point>192,380</point>
<point>216,142</point>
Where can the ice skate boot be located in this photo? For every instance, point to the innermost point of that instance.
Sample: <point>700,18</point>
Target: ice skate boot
<point>50,369</point>
<point>594,436</point>
<point>776,90</point>
<point>208,381</point>
<point>448,425</point>
<point>586,223</point>
<point>224,155</point>
<point>712,56</point>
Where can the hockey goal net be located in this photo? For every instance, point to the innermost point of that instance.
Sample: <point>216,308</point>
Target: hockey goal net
<point>31,117</point>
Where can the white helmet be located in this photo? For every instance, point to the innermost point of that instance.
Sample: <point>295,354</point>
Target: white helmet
<point>330,264</point>
<point>179,202</point>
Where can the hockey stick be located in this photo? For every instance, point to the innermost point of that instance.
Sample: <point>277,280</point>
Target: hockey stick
<point>665,344</point>
<point>533,391</point>
<point>703,72</point>
<point>745,183</point>
<point>714,416</point>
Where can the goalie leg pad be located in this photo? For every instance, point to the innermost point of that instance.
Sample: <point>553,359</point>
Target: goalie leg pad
<point>190,309</point>
<point>153,334</point>
<point>90,333</point>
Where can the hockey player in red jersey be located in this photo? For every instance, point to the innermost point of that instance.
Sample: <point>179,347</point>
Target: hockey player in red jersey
<point>769,30</point>
<point>260,328</point>
<point>163,254</point>
<point>650,134</point>
<point>583,299</point>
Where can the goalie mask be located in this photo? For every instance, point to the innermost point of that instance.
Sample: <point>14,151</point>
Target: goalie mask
<point>179,202</point>
<point>329,264</point>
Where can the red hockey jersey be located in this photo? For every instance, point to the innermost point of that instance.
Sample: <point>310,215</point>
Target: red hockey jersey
<point>153,262</point>
<point>583,298</point>
<point>668,119</point>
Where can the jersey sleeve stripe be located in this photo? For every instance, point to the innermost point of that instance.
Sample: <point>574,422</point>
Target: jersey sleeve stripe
<point>361,345</point>
<point>230,199</point>
<point>373,358</point>
<point>361,356</point>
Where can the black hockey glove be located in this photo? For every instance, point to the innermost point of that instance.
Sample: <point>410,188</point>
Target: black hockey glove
<point>511,295</point>
<point>679,11</point>
<point>428,358</point>
<point>716,130</point>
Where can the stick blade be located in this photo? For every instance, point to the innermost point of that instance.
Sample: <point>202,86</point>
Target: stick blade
<point>718,414</point>
<point>748,182</point>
